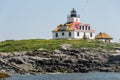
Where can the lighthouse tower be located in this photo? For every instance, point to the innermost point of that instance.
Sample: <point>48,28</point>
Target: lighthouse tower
<point>73,17</point>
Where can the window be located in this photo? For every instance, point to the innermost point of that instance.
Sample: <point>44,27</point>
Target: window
<point>76,19</point>
<point>82,27</point>
<point>77,33</point>
<point>84,36</point>
<point>91,34</point>
<point>86,27</point>
<point>56,34</point>
<point>69,33</point>
<point>62,33</point>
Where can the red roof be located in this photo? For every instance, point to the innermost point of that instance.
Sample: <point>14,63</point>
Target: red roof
<point>73,26</point>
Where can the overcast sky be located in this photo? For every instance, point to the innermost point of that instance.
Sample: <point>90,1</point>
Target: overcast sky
<point>31,19</point>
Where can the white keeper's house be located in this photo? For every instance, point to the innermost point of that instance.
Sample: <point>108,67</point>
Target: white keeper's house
<point>73,29</point>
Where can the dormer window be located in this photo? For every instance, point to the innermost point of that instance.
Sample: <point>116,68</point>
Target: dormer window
<point>88,27</point>
<point>82,27</point>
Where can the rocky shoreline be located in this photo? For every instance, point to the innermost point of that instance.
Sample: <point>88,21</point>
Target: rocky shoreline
<point>64,60</point>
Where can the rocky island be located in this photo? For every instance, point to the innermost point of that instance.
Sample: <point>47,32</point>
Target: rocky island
<point>64,59</point>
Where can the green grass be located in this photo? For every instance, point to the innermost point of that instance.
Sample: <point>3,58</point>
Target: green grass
<point>33,44</point>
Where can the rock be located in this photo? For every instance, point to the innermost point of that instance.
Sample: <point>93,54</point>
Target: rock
<point>4,54</point>
<point>41,49</point>
<point>17,60</point>
<point>68,61</point>
<point>114,58</point>
<point>58,56</point>
<point>57,51</point>
<point>64,60</point>
<point>4,75</point>
<point>19,53</point>
<point>83,69</point>
<point>65,46</point>
<point>106,69</point>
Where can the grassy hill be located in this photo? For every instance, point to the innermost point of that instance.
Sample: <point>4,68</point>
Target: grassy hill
<point>33,44</point>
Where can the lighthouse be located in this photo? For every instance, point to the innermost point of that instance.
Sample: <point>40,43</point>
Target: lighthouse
<point>73,28</point>
<point>73,17</point>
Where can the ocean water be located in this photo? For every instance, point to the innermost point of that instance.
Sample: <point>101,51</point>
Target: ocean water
<point>69,76</point>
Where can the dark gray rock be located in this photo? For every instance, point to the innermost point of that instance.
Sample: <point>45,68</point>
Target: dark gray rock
<point>65,59</point>
<point>17,60</point>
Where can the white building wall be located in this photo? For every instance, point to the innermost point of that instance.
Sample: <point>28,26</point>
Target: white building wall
<point>73,19</point>
<point>81,35</point>
<point>88,35</point>
<point>93,36</point>
<point>66,34</point>
<point>102,40</point>
<point>73,35</point>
